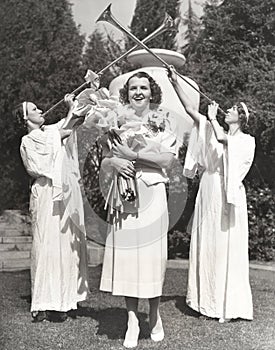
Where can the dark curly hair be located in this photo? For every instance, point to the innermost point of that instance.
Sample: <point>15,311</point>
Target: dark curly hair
<point>244,122</point>
<point>155,90</point>
<point>18,114</point>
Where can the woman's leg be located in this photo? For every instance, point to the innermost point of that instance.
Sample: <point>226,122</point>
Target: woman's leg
<point>132,333</point>
<point>155,323</point>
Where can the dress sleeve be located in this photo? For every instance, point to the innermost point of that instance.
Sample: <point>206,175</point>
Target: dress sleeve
<point>168,142</point>
<point>58,125</point>
<point>39,150</point>
<point>237,162</point>
<point>247,158</point>
<point>197,149</point>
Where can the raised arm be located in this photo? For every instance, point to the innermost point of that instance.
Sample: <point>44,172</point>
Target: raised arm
<point>71,120</point>
<point>187,104</point>
<point>218,130</point>
<point>194,114</point>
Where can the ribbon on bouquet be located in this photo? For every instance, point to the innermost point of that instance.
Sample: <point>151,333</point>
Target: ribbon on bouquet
<point>127,188</point>
<point>122,190</point>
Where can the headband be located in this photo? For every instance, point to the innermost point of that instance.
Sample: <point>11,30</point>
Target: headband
<point>24,104</point>
<point>245,110</point>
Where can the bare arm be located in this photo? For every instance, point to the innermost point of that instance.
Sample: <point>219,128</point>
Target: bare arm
<point>218,130</point>
<point>194,114</point>
<point>71,120</point>
<point>152,159</point>
<point>69,100</point>
<point>123,166</point>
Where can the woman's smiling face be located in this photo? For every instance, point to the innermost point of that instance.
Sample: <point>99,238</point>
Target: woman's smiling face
<point>139,93</point>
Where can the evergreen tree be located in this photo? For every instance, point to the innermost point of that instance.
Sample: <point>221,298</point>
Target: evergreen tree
<point>101,50</point>
<point>40,61</point>
<point>192,24</point>
<point>148,16</point>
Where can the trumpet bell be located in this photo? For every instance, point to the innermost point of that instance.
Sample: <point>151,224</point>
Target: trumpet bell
<point>169,23</point>
<point>106,15</point>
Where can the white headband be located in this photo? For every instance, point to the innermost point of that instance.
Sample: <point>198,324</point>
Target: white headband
<point>245,110</point>
<point>25,110</point>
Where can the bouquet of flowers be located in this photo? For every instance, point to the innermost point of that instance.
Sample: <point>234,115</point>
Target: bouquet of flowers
<point>119,122</point>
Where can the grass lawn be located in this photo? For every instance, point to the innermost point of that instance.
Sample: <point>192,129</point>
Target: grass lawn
<point>101,321</point>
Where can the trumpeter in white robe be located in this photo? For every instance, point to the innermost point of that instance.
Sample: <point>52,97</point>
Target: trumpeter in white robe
<point>218,282</point>
<point>59,260</point>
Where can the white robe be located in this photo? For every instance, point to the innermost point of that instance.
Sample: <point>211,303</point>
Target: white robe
<point>218,281</point>
<point>59,259</point>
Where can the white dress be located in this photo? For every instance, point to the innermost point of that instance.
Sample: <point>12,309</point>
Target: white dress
<point>218,281</point>
<point>59,259</point>
<point>136,247</point>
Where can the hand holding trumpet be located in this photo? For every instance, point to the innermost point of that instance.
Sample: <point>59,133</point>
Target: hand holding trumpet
<point>172,75</point>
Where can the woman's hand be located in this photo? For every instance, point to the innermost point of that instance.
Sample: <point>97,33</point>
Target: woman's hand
<point>212,110</point>
<point>123,151</point>
<point>92,78</point>
<point>172,74</point>
<point>69,100</point>
<point>123,166</point>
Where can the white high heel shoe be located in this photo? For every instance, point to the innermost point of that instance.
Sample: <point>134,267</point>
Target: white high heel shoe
<point>131,343</point>
<point>224,320</point>
<point>159,335</point>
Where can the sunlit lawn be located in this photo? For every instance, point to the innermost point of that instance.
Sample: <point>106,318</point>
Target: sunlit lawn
<point>101,321</point>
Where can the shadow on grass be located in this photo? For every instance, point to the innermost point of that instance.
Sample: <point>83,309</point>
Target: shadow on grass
<point>26,298</point>
<point>112,321</point>
<point>180,304</point>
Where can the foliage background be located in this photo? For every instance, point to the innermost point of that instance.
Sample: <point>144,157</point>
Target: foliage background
<point>41,53</point>
<point>230,53</point>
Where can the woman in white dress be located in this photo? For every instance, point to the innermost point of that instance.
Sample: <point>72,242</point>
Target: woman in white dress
<point>136,246</point>
<point>218,282</point>
<point>58,260</point>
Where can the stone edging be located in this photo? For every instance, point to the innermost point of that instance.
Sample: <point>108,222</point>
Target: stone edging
<point>183,264</point>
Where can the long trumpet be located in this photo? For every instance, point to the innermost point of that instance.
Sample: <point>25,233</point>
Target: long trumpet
<point>167,24</point>
<point>108,17</point>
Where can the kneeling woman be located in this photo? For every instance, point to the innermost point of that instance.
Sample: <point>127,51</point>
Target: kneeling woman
<point>136,247</point>
<point>58,260</point>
